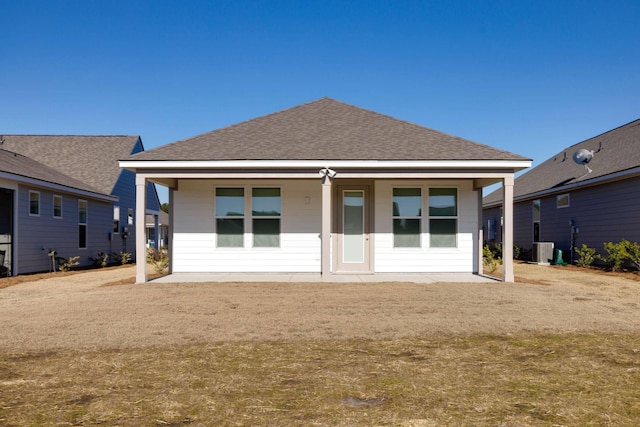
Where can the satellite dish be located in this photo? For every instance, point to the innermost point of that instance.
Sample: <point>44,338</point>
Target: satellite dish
<point>582,156</point>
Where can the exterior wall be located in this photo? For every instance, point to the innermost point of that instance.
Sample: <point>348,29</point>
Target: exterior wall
<point>492,225</point>
<point>425,259</point>
<point>125,189</point>
<point>37,235</point>
<point>194,239</point>
<point>603,213</point>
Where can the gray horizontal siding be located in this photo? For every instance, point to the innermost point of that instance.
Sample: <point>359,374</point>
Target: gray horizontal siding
<point>39,234</point>
<point>604,213</point>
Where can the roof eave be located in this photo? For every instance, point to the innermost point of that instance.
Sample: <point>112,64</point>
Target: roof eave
<point>138,165</point>
<point>57,187</point>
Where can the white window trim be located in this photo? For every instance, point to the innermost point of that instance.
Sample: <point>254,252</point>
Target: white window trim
<point>562,196</point>
<point>423,232</point>
<point>53,208</point>
<point>247,217</point>
<point>249,230</point>
<point>130,216</point>
<point>243,217</point>
<point>39,204</point>
<point>456,217</point>
<point>116,230</point>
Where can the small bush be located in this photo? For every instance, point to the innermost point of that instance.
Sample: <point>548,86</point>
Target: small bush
<point>587,256</point>
<point>633,253</point>
<point>69,263</point>
<point>617,254</point>
<point>101,261</point>
<point>159,258</point>
<point>490,260</point>
<point>125,257</point>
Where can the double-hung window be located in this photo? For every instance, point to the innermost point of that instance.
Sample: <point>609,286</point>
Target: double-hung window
<point>407,217</point>
<point>265,213</point>
<point>82,224</point>
<point>34,203</point>
<point>57,206</point>
<point>443,217</point>
<point>116,219</point>
<point>230,217</point>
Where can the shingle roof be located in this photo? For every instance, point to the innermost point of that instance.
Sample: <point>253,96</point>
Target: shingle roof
<point>325,129</point>
<point>17,164</point>
<point>619,151</point>
<point>89,159</point>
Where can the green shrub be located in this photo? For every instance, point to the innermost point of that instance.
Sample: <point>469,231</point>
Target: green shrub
<point>587,256</point>
<point>159,258</point>
<point>633,253</point>
<point>101,261</point>
<point>125,257</point>
<point>69,263</point>
<point>617,254</point>
<point>489,259</point>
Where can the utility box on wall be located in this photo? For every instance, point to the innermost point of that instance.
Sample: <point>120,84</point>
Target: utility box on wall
<point>543,252</point>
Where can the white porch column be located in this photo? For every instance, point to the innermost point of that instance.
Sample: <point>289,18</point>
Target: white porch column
<point>141,209</point>
<point>507,229</point>
<point>326,227</point>
<point>479,258</point>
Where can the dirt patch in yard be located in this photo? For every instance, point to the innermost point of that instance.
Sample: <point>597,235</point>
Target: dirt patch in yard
<point>79,312</point>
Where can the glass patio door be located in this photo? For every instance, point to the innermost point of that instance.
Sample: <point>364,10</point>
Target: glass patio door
<point>353,241</point>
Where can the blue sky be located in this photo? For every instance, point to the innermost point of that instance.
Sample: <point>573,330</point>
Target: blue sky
<point>531,77</point>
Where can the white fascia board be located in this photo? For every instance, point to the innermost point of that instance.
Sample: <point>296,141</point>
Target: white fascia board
<point>56,187</point>
<point>334,164</point>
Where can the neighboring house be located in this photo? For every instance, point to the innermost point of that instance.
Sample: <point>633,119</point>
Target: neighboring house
<point>327,188</point>
<point>568,204</point>
<point>67,194</point>
<point>157,225</point>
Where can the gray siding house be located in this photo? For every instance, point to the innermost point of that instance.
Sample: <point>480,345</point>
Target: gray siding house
<point>66,194</point>
<point>566,203</point>
<point>325,188</point>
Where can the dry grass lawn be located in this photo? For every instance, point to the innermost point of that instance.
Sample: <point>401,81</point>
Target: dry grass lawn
<point>560,347</point>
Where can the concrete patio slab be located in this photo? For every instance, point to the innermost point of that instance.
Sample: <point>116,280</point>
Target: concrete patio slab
<point>314,277</point>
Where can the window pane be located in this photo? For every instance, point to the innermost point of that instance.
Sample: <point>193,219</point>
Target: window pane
<point>57,206</point>
<point>34,203</point>
<point>82,212</point>
<point>82,236</point>
<point>230,232</point>
<point>265,202</point>
<point>443,233</point>
<point>266,233</point>
<point>229,202</point>
<point>443,202</point>
<point>116,219</point>
<point>407,202</point>
<point>353,225</point>
<point>536,210</point>
<point>562,201</point>
<point>406,233</point>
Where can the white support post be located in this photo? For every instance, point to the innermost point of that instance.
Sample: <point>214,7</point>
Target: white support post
<point>507,229</point>
<point>326,227</point>
<point>479,258</point>
<point>141,209</point>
